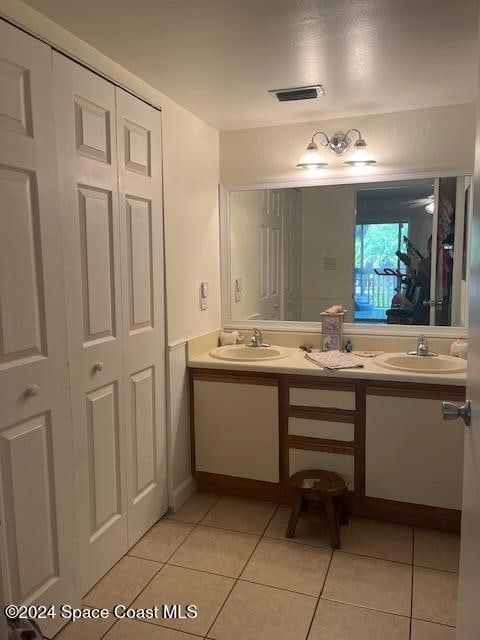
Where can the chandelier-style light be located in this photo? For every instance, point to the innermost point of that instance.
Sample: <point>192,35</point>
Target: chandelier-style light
<point>338,144</point>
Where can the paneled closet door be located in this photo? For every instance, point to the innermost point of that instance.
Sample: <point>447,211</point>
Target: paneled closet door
<point>38,552</point>
<point>291,254</point>
<point>87,153</point>
<point>270,257</point>
<point>141,228</point>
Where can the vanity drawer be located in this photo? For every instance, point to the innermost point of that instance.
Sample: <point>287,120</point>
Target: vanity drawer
<point>344,465</point>
<point>327,430</point>
<point>326,398</point>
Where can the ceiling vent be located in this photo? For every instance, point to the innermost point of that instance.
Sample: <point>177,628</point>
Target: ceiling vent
<point>311,92</point>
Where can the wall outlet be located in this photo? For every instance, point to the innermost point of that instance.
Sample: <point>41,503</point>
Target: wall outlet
<point>329,264</point>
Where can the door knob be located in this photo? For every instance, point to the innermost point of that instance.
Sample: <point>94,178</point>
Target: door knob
<point>452,411</point>
<point>98,366</point>
<point>32,390</point>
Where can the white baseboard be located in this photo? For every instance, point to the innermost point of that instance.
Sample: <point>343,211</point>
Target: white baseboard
<point>182,493</point>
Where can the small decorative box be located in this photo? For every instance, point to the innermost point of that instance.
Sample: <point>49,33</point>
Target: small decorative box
<point>332,330</point>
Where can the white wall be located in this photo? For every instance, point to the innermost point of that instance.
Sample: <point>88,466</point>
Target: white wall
<point>437,138</point>
<point>191,176</point>
<point>328,223</point>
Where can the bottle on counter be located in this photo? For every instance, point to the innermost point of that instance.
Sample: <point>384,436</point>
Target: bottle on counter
<point>459,348</point>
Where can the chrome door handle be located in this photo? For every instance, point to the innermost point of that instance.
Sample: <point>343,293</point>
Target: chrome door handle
<point>452,411</point>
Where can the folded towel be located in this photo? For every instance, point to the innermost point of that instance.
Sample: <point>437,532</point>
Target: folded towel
<point>333,360</point>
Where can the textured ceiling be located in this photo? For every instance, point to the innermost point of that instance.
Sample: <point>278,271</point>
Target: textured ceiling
<point>218,58</point>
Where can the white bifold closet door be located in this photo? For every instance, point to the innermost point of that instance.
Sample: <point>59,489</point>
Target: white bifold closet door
<point>38,554</point>
<point>114,279</point>
<point>141,236</point>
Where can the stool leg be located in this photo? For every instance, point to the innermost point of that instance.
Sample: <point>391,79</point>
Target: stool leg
<point>294,515</point>
<point>344,507</point>
<point>332,522</point>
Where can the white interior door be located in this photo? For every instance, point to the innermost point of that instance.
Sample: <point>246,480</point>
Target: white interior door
<point>37,534</point>
<point>141,229</point>
<point>87,154</point>
<point>468,618</point>
<point>270,255</point>
<point>292,255</point>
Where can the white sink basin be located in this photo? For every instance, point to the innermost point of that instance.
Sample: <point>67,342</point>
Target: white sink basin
<point>421,364</point>
<point>241,352</point>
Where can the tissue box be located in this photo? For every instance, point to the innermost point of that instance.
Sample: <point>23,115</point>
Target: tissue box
<point>332,331</point>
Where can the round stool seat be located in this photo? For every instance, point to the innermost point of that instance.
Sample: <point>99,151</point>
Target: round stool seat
<point>312,480</point>
<point>325,487</point>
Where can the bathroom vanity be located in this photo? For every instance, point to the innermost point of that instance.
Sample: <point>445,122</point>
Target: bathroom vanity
<point>256,423</point>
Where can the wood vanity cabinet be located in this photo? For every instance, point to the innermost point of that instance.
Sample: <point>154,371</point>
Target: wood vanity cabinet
<point>400,461</point>
<point>236,426</point>
<point>411,454</point>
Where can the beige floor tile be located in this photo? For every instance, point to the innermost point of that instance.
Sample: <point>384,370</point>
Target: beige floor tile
<point>435,595</point>
<point>216,550</point>
<point>369,582</point>
<point>436,549</point>
<point>240,514</point>
<point>256,612</point>
<point>336,621</point>
<point>422,630</point>
<point>377,539</point>
<point>123,583</point>
<point>177,585</point>
<point>195,508</point>
<point>85,629</point>
<point>161,541</point>
<point>136,630</point>
<point>312,533</point>
<point>288,566</point>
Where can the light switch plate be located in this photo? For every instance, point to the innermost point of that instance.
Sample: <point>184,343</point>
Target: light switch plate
<point>204,291</point>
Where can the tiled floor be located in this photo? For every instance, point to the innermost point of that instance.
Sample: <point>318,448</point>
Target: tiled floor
<point>229,556</point>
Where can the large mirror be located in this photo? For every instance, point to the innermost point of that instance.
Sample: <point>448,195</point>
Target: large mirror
<point>388,252</point>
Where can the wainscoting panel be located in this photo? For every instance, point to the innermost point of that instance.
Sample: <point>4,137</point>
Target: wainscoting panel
<point>180,481</point>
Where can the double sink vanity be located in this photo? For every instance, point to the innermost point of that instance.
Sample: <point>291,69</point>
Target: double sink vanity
<point>260,414</point>
<point>392,255</point>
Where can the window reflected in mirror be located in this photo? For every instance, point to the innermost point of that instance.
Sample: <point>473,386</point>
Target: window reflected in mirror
<point>295,252</point>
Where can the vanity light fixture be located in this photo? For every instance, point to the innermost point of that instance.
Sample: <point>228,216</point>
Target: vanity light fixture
<point>338,144</point>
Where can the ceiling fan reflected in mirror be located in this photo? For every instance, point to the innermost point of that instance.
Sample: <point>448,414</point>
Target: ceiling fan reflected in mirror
<point>428,202</point>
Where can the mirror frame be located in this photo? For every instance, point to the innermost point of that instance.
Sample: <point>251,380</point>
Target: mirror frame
<point>351,328</point>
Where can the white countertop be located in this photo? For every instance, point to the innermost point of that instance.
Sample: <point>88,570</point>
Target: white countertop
<point>297,364</point>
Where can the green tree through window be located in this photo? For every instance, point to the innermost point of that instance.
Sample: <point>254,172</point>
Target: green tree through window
<point>375,247</point>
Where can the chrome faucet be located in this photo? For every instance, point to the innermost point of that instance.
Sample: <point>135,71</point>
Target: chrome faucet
<point>422,348</point>
<point>257,339</point>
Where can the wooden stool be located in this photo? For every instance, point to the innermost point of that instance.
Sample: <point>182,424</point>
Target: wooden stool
<point>326,488</point>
